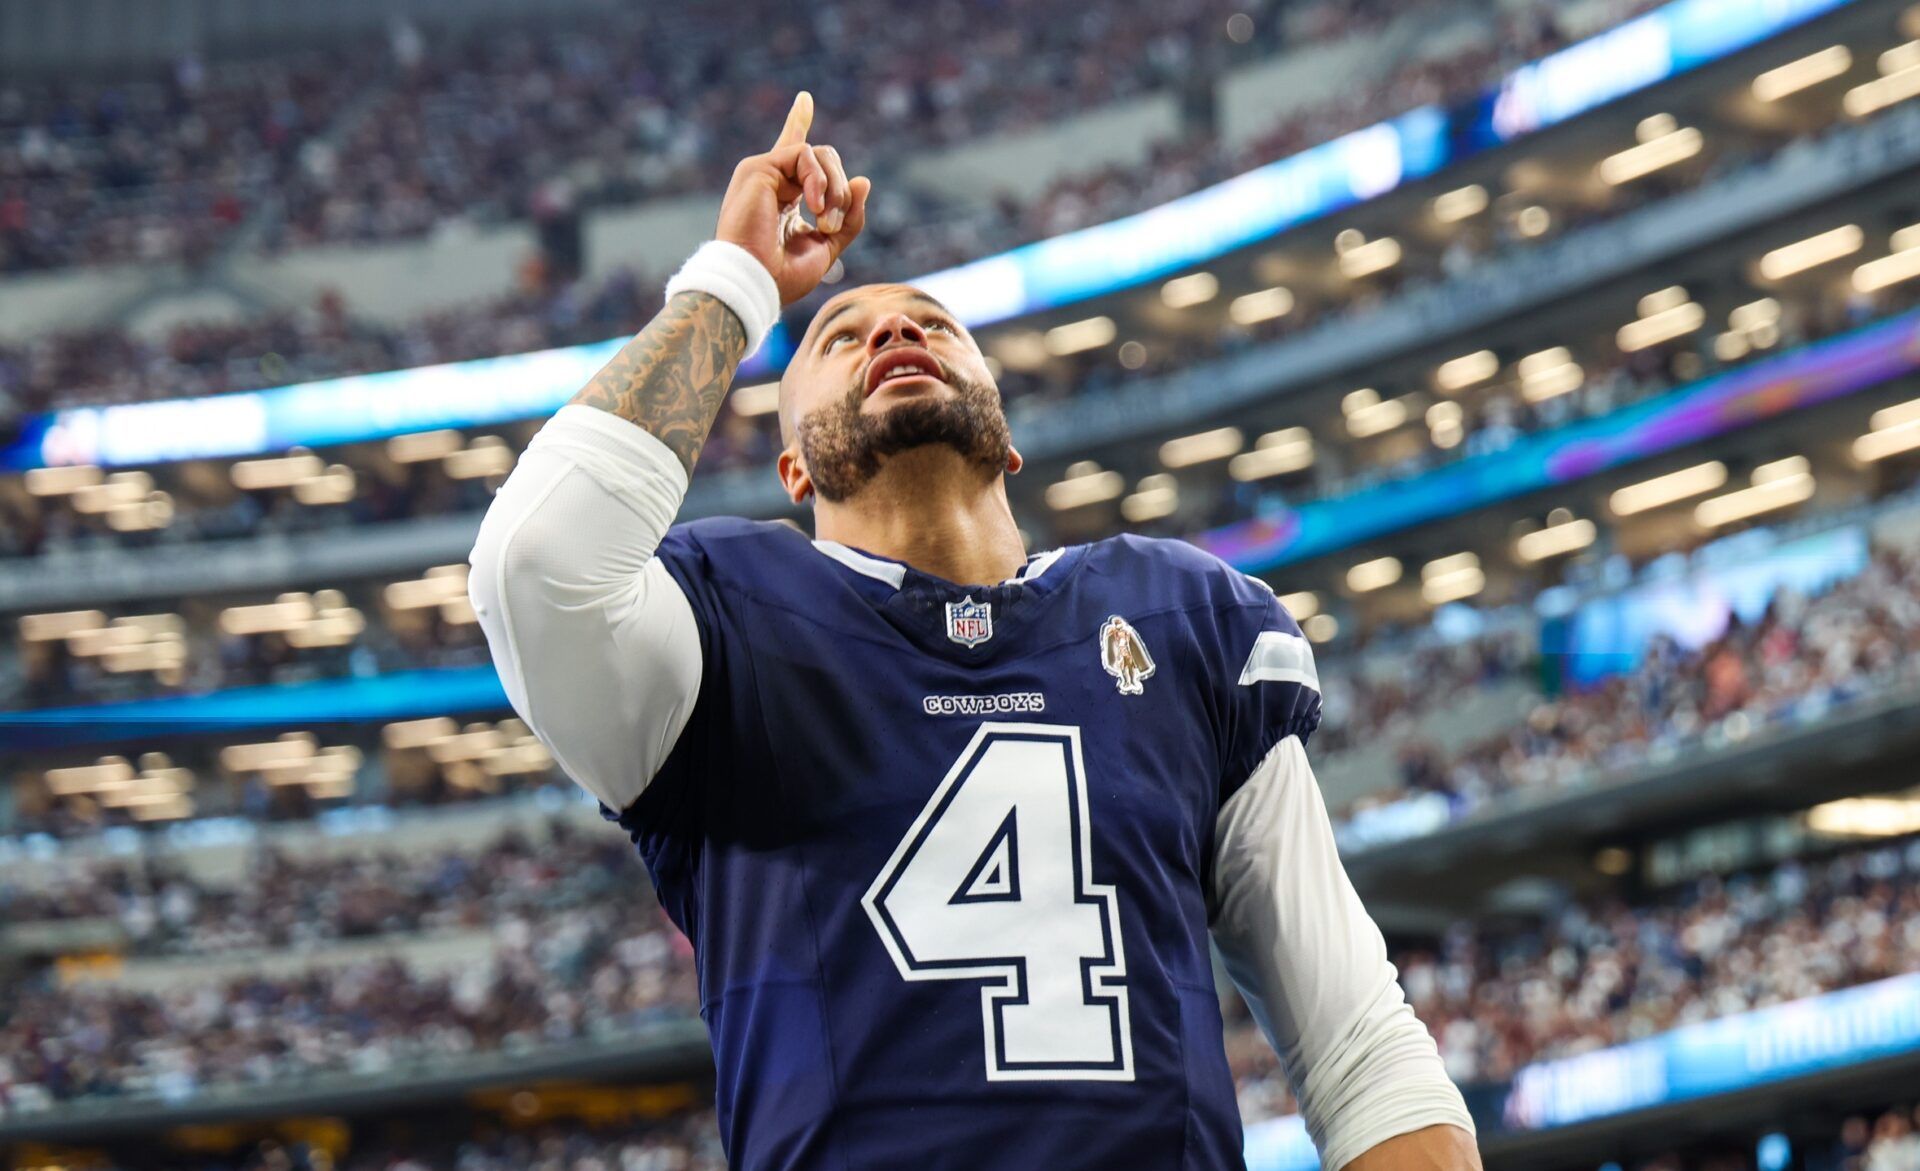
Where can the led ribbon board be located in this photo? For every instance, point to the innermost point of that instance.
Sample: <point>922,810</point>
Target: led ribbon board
<point>399,695</point>
<point>1715,406</point>
<point>1044,275</point>
<point>1714,1057</point>
<point>1773,1044</point>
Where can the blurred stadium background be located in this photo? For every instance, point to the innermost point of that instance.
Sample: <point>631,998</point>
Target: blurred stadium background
<point>1556,360</point>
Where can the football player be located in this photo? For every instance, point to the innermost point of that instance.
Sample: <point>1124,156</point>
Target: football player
<point>949,824</point>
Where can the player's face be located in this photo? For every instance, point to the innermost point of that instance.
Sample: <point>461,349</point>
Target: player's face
<point>884,369</point>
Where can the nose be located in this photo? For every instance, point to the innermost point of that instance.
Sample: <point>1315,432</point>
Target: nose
<point>894,328</point>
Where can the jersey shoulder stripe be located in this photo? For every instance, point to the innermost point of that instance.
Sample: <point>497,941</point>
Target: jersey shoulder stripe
<point>1280,657</point>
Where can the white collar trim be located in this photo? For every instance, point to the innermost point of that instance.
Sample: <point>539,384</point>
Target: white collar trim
<point>1039,564</point>
<point>895,574</point>
<point>890,572</point>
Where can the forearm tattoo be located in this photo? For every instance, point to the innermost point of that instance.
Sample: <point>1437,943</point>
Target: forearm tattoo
<point>671,377</point>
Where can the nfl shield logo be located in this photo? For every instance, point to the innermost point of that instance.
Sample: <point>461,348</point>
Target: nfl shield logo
<point>969,623</point>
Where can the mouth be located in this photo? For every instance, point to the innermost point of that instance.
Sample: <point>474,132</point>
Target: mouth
<point>908,363</point>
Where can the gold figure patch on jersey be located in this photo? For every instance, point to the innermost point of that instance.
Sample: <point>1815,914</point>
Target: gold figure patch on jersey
<point>1125,656</point>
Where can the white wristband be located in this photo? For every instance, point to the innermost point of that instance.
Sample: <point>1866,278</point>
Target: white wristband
<point>740,281</point>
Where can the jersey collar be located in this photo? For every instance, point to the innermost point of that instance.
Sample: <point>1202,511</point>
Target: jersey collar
<point>894,573</point>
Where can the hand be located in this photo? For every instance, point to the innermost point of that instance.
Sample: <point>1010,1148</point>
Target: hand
<point>760,211</point>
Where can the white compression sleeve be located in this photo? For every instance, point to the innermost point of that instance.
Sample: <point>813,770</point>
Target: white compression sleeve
<point>594,640</point>
<point>1313,968</point>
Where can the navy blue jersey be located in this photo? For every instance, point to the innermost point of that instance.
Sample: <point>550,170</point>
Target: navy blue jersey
<point>942,851</point>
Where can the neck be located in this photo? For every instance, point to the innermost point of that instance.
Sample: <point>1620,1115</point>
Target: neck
<point>930,509</point>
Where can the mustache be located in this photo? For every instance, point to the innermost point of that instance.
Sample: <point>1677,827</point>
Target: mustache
<point>947,375</point>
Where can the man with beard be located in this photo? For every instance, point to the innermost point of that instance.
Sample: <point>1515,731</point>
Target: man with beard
<point>948,825</point>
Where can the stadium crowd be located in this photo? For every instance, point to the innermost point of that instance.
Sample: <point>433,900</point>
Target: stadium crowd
<point>382,141</point>
<point>553,977</point>
<point>551,307</point>
<point>1603,974</point>
<point>433,129</point>
<point>1888,1141</point>
<point>1491,418</point>
<point>577,955</point>
<point>53,672</point>
<point>1882,1140</point>
<point>686,1141</point>
<point>285,901</point>
<point>1803,657</point>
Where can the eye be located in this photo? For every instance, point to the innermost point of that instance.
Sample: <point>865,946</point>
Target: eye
<point>838,337</point>
<point>936,323</point>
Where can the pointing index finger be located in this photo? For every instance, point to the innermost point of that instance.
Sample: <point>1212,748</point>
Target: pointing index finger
<point>799,121</point>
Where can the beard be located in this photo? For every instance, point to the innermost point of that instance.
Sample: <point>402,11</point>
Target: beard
<point>845,448</point>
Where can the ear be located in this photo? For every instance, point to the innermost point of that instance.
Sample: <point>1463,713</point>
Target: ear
<point>1014,461</point>
<point>793,476</point>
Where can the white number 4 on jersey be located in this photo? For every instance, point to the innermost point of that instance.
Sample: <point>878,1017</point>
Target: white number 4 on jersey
<point>993,882</point>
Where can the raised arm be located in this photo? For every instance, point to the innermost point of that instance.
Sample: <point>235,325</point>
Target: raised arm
<point>597,646</point>
<point>671,377</point>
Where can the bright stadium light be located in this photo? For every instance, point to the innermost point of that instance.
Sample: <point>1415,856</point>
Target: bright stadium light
<point>62,481</point>
<point>105,774</point>
<point>1875,275</point>
<point>1155,496</point>
<point>1302,605</point>
<point>1882,442</point>
<point>1460,203</point>
<point>1755,314</point>
<point>1320,628</point>
<point>1077,336</point>
<point>1187,291</point>
<point>1449,579</point>
<point>1905,238</point>
<point>1812,252</point>
<point>1265,305</point>
<point>1377,574</point>
<point>1466,370</point>
<point>1637,162</point>
<point>1444,424</point>
<point>251,475</point>
<point>1549,374</point>
<point>487,455</point>
<point>1866,817</point>
<point>1023,349</point>
<point>1780,484</point>
<point>1368,416</point>
<point>1089,487</point>
<point>1897,415</point>
<point>1661,326</point>
<point>1873,96</point>
<point>760,399</point>
<point>1804,73</point>
<point>1205,447</point>
<point>1661,300</point>
<point>1274,454</point>
<point>1668,489</point>
<point>426,446</point>
<point>1782,469</point>
<point>1452,563</point>
<point>1366,259</point>
<point>1894,430</point>
<point>1556,540</point>
<point>1899,58</point>
<point>59,625</point>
